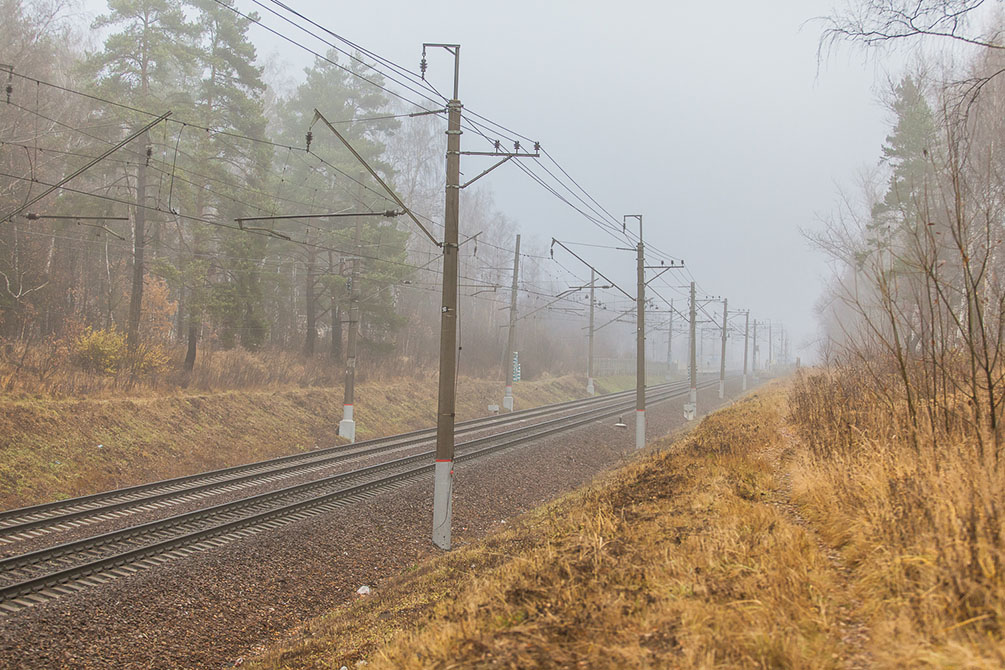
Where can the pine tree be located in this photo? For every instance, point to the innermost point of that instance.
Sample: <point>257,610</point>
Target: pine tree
<point>229,99</point>
<point>144,63</point>
<point>908,151</point>
<point>342,97</point>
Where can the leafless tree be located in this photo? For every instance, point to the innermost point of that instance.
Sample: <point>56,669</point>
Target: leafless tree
<point>882,22</point>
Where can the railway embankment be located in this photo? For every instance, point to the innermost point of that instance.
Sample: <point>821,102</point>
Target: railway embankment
<point>692,556</point>
<point>53,448</point>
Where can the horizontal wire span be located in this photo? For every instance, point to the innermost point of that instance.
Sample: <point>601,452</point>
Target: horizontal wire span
<point>590,208</point>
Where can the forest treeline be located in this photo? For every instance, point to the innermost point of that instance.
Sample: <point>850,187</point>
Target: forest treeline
<point>142,268</point>
<point>904,425</point>
<point>917,302</point>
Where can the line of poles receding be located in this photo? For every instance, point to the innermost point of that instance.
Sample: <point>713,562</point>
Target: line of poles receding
<point>449,248</point>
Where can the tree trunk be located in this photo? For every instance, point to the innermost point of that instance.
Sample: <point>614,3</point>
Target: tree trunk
<point>193,338</point>
<point>179,316</point>
<point>139,233</point>
<point>107,287</point>
<point>312,322</point>
<point>292,327</point>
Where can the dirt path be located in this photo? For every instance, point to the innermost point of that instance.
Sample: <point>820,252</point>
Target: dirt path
<point>854,631</point>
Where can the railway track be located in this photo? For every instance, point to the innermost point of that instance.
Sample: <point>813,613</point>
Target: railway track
<point>29,522</point>
<point>38,576</point>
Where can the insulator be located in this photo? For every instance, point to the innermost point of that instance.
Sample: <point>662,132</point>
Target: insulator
<point>498,145</point>
<point>310,136</point>
<point>537,147</point>
<point>150,153</point>
<point>422,68</point>
<point>516,146</point>
<point>9,89</point>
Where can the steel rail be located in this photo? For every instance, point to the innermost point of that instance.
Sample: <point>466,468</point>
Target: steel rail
<point>25,519</point>
<point>21,592</point>
<point>17,562</point>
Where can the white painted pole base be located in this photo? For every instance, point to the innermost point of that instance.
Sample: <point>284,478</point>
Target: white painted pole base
<point>508,399</point>
<point>347,427</point>
<point>443,488</point>
<point>744,387</point>
<point>691,406</point>
<point>640,428</point>
<point>590,388</point>
<point>722,389</point>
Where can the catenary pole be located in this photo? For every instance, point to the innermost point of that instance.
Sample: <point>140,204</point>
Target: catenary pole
<point>640,342</point>
<point>347,427</point>
<point>746,337</point>
<point>446,402</point>
<point>509,363</point>
<point>771,357</point>
<point>691,407</point>
<point>590,388</point>
<point>722,355</point>
<point>753,351</point>
<point>670,343</point>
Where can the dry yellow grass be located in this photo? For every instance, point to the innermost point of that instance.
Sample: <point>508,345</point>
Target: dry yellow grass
<point>922,529</point>
<point>690,557</point>
<point>49,369</point>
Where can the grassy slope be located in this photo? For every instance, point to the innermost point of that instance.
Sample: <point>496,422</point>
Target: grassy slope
<point>691,557</point>
<point>922,526</point>
<point>49,448</point>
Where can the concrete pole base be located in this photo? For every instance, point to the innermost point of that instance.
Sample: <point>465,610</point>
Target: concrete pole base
<point>590,388</point>
<point>508,399</point>
<point>443,488</point>
<point>640,428</point>
<point>691,407</point>
<point>347,427</point>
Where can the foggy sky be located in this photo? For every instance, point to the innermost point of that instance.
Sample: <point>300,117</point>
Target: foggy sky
<point>713,120</point>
